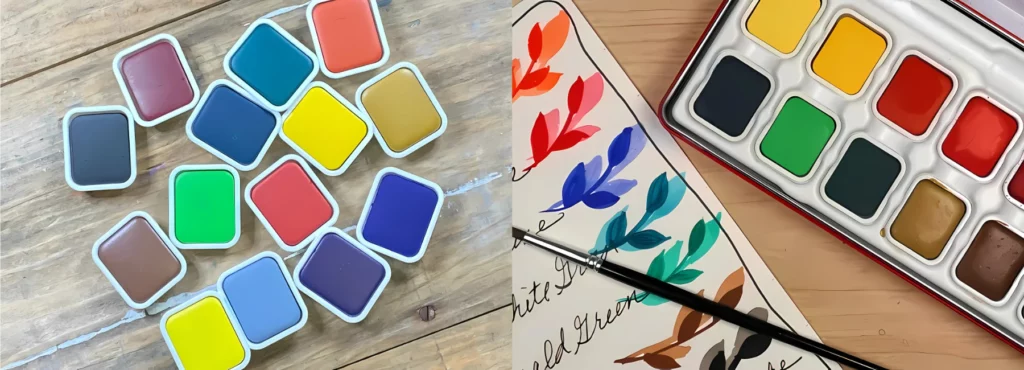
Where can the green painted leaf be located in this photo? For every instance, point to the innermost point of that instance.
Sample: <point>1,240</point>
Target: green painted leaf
<point>696,238</point>
<point>657,267</point>
<point>653,300</point>
<point>711,231</point>
<point>672,257</point>
<point>646,239</point>
<point>657,193</point>
<point>684,276</point>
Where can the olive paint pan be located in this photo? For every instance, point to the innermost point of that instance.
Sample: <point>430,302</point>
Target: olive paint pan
<point>205,206</point>
<point>156,80</point>
<point>873,119</point>
<point>348,36</point>
<point>402,109</point>
<point>139,260</point>
<point>291,202</point>
<point>99,148</point>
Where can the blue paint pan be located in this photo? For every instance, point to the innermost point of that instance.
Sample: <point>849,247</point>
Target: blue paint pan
<point>400,214</point>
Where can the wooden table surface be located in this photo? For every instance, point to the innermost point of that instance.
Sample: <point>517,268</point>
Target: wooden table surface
<point>58,311</point>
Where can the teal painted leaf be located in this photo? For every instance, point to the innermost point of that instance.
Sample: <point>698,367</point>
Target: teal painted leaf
<point>672,257</point>
<point>617,229</point>
<point>646,239</point>
<point>657,267</point>
<point>657,193</point>
<point>711,231</point>
<point>676,190</point>
<point>602,245</point>
<point>684,276</point>
<point>696,237</point>
<point>653,300</point>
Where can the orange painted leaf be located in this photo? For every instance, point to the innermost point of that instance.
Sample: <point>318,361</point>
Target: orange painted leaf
<point>549,83</point>
<point>731,291</point>
<point>536,41</point>
<point>660,361</point>
<point>534,79</point>
<point>515,74</point>
<point>555,33</point>
<point>676,352</point>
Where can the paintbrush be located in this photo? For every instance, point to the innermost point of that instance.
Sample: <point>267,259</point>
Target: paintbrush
<point>668,291</point>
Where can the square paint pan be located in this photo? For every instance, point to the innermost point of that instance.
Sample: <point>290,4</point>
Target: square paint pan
<point>99,148</point>
<point>991,265</point>
<point>232,126</point>
<point>978,141</point>
<point>334,256</point>
<point>915,94</point>
<point>400,214</point>
<point>139,260</point>
<point>403,110</point>
<point>205,206</point>
<point>260,294</point>
<point>326,129</point>
<point>781,25</point>
<point>156,80</point>
<point>291,202</point>
<point>846,59</point>
<point>928,220</point>
<point>1015,186</point>
<point>731,96</point>
<point>270,64</point>
<point>348,36</point>
<point>799,133</point>
<point>203,333</point>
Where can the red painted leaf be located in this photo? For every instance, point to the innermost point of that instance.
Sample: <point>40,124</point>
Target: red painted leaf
<point>536,41</point>
<point>539,139</point>
<point>575,96</point>
<point>569,140</point>
<point>534,79</point>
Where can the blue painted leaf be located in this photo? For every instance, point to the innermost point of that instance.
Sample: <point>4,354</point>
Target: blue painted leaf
<point>676,190</point>
<point>619,148</point>
<point>684,276</point>
<point>600,200</point>
<point>672,257</point>
<point>696,237</point>
<point>574,187</point>
<point>637,141</point>
<point>711,232</point>
<point>657,267</point>
<point>554,207</point>
<point>618,187</point>
<point>601,245</point>
<point>594,168</point>
<point>653,300</point>
<point>646,239</point>
<point>657,193</point>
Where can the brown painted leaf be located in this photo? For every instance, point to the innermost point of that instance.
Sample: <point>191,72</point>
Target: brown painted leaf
<point>731,291</point>
<point>676,352</point>
<point>660,361</point>
<point>688,328</point>
<point>683,312</point>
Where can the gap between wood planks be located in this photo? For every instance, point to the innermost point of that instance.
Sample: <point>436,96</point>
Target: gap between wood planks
<point>466,321</point>
<point>111,43</point>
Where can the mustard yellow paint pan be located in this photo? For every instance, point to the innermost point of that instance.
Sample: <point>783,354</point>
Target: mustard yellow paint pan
<point>402,109</point>
<point>781,25</point>
<point>326,129</point>
<point>203,334</point>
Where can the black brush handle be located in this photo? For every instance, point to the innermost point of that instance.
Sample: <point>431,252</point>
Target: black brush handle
<point>697,303</point>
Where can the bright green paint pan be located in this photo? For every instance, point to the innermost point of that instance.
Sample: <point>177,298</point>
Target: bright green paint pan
<point>204,206</point>
<point>797,137</point>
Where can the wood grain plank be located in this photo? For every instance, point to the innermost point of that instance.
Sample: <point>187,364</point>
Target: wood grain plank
<point>852,302</point>
<point>53,294</point>
<point>37,34</point>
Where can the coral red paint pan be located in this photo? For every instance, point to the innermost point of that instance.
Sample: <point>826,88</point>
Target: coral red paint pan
<point>909,150</point>
<point>291,202</point>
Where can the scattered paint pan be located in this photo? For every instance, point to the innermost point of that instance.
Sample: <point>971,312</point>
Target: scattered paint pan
<point>233,127</point>
<point>404,112</point>
<point>99,148</point>
<point>291,202</point>
<point>205,206</point>
<point>348,36</point>
<point>326,129</point>
<point>270,64</point>
<point>400,214</point>
<point>156,80</point>
<point>139,260</point>
<point>334,256</point>
<point>260,294</point>
<point>203,334</point>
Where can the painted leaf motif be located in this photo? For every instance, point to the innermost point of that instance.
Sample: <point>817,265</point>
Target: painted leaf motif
<point>657,266</point>
<point>552,120</point>
<point>588,129</point>
<point>676,352</point>
<point>731,290</point>
<point>593,173</point>
<point>600,200</point>
<point>646,239</point>
<point>718,363</point>
<point>515,73</point>
<point>711,231</point>
<point>593,90</point>
<point>753,346</point>
<point>555,33</point>
<point>653,300</point>
<point>536,41</point>
<point>574,187</point>
<point>672,257</point>
<point>684,276</point>
<point>575,96</point>
<point>619,148</point>
<point>546,85</point>
<point>534,79</point>
<point>676,190</point>
<point>569,140</point>
<point>657,193</point>
<point>688,326</point>
<point>658,361</point>
<point>617,229</point>
<point>539,139</point>
<point>696,237</point>
<point>603,242</point>
<point>683,312</point>
<point>618,186</point>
